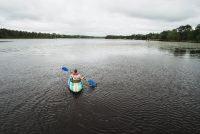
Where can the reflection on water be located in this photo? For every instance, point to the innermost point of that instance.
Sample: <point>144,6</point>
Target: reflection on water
<point>178,49</point>
<point>143,87</point>
<point>184,51</point>
<point>195,51</point>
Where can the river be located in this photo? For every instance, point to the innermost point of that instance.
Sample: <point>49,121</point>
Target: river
<point>143,87</point>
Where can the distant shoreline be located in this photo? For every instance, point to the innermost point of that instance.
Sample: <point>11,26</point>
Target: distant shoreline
<point>4,41</point>
<point>181,34</point>
<point>15,34</point>
<point>155,40</point>
<point>94,38</point>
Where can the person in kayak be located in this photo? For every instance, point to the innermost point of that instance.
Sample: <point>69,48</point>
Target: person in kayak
<point>76,77</point>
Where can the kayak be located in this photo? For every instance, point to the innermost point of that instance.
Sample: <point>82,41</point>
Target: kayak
<point>75,87</point>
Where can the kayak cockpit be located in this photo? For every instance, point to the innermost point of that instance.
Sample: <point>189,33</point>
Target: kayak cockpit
<point>75,86</point>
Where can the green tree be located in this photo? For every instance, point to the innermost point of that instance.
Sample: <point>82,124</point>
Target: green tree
<point>184,32</point>
<point>197,27</point>
<point>173,35</point>
<point>197,33</point>
<point>163,35</point>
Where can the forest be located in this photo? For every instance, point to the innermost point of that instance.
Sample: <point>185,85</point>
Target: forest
<point>181,34</point>
<point>14,34</point>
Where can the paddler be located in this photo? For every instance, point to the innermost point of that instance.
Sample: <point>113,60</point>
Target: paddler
<point>76,77</point>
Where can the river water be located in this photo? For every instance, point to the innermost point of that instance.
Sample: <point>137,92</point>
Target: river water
<point>143,87</point>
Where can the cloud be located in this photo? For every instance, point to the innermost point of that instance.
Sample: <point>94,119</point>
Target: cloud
<point>165,10</point>
<point>98,17</point>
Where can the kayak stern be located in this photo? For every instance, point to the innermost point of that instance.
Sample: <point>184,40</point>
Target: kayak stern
<point>75,87</point>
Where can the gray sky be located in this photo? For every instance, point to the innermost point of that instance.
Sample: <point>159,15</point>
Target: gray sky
<point>98,17</point>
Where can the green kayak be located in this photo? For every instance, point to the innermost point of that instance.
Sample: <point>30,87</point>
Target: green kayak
<point>75,87</point>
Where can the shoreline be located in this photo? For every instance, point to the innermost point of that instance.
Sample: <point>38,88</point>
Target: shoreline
<point>2,39</point>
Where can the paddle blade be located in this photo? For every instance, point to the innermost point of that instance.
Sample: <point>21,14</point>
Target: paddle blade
<point>65,69</point>
<point>92,83</point>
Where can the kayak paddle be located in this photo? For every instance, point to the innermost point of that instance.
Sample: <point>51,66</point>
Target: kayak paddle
<point>65,69</point>
<point>92,83</point>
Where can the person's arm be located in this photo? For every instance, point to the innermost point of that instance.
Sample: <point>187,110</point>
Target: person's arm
<point>82,77</point>
<point>84,81</point>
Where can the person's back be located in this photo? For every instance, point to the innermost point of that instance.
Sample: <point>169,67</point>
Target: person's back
<point>76,77</point>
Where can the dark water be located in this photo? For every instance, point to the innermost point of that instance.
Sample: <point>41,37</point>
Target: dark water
<point>143,87</point>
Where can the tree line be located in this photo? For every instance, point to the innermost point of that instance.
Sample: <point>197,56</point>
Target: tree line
<point>14,34</point>
<point>182,33</point>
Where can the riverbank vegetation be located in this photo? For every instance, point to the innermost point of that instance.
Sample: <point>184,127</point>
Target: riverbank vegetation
<point>180,34</point>
<point>14,34</point>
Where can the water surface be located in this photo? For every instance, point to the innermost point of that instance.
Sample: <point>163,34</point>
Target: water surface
<point>143,87</point>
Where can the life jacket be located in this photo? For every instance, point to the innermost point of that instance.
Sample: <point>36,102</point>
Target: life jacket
<point>76,77</point>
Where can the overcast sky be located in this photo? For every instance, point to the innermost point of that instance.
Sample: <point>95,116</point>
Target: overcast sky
<point>98,17</point>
